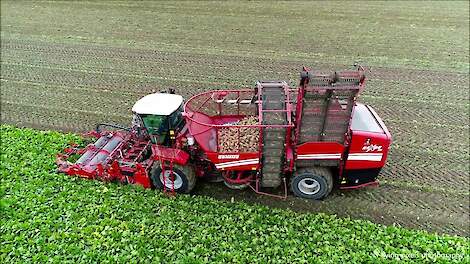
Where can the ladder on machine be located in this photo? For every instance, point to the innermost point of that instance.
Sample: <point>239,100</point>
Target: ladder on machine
<point>275,115</point>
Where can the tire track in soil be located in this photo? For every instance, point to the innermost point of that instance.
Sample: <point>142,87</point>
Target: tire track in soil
<point>388,204</point>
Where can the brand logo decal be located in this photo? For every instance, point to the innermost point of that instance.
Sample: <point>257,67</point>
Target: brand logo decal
<point>228,157</point>
<point>371,147</point>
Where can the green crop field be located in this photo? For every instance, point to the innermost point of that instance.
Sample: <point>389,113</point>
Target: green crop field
<point>66,66</point>
<point>50,217</point>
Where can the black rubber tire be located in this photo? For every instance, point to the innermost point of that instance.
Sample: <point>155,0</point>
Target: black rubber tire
<point>187,174</point>
<point>320,174</point>
<point>327,174</point>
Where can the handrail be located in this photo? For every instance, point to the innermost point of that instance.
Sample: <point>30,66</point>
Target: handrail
<point>111,125</point>
<point>189,113</point>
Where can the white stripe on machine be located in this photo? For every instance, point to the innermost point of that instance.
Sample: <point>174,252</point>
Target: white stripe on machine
<point>319,156</point>
<point>365,156</point>
<point>236,163</point>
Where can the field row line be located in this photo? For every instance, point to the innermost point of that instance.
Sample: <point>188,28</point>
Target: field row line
<point>394,213</point>
<point>432,125</point>
<point>393,98</point>
<point>425,150</point>
<point>410,198</point>
<point>214,51</point>
<point>108,53</point>
<point>56,125</point>
<point>435,148</point>
<point>136,92</point>
<point>275,52</point>
<point>383,98</point>
<point>422,188</point>
<point>145,61</point>
<point>418,172</point>
<point>234,79</point>
<point>77,88</point>
<point>306,57</point>
<point>60,109</point>
<point>375,78</point>
<point>114,74</point>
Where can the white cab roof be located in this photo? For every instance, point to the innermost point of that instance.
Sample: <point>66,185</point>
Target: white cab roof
<point>158,104</point>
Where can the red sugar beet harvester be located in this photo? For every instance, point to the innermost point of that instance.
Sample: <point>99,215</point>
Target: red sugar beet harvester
<point>308,139</point>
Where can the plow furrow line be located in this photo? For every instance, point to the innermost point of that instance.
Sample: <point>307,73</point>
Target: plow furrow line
<point>427,178</point>
<point>421,123</point>
<point>404,99</point>
<point>442,115</point>
<point>140,55</point>
<point>222,79</point>
<point>36,123</point>
<point>410,200</point>
<point>113,73</point>
<point>61,110</point>
<point>419,151</point>
<point>236,51</point>
<point>106,87</point>
<point>419,81</point>
<point>81,89</point>
<point>399,184</point>
<point>113,57</point>
<point>430,140</point>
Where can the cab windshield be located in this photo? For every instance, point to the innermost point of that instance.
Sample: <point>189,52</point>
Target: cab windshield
<point>160,125</point>
<point>154,123</point>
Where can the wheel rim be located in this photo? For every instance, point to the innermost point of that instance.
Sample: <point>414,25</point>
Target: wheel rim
<point>309,186</point>
<point>169,183</point>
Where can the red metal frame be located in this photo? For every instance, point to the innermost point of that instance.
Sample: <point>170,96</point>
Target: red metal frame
<point>124,163</point>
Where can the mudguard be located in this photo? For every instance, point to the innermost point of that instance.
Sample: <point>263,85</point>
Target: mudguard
<point>169,154</point>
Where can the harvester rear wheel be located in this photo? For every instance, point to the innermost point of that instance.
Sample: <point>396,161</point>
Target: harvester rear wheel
<point>312,183</point>
<point>184,178</point>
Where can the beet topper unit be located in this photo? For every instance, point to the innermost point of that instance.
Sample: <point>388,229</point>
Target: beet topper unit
<point>270,138</point>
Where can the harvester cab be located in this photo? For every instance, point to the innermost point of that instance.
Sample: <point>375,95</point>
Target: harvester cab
<point>159,116</point>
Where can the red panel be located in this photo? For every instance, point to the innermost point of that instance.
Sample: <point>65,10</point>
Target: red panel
<point>176,155</point>
<point>319,150</point>
<point>205,135</point>
<point>368,150</point>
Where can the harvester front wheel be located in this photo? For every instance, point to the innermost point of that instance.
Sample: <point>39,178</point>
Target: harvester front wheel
<point>183,182</point>
<point>312,183</point>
